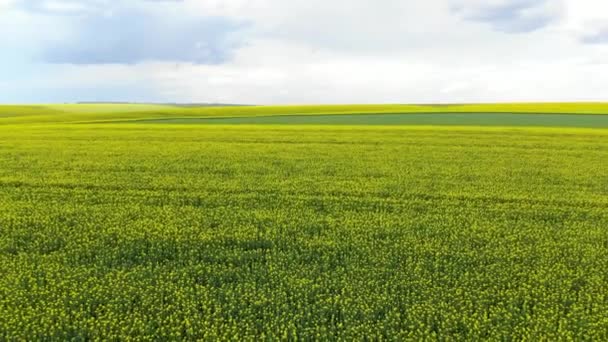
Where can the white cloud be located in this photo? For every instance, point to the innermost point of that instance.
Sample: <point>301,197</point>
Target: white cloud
<point>320,51</point>
<point>63,6</point>
<point>6,4</point>
<point>586,20</point>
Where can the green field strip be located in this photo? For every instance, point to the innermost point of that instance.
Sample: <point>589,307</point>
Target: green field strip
<point>75,113</point>
<point>458,119</point>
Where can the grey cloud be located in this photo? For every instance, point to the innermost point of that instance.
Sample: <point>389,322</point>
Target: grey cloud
<point>128,36</point>
<point>512,16</point>
<point>598,37</point>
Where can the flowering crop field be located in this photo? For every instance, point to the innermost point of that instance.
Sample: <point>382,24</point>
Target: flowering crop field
<point>123,231</point>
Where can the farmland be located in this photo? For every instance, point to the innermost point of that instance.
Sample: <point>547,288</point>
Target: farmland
<point>388,119</point>
<point>95,113</point>
<point>147,222</point>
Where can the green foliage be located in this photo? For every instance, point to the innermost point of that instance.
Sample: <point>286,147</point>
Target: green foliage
<point>161,232</point>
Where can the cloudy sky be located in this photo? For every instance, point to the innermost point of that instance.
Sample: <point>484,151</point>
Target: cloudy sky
<point>303,51</point>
